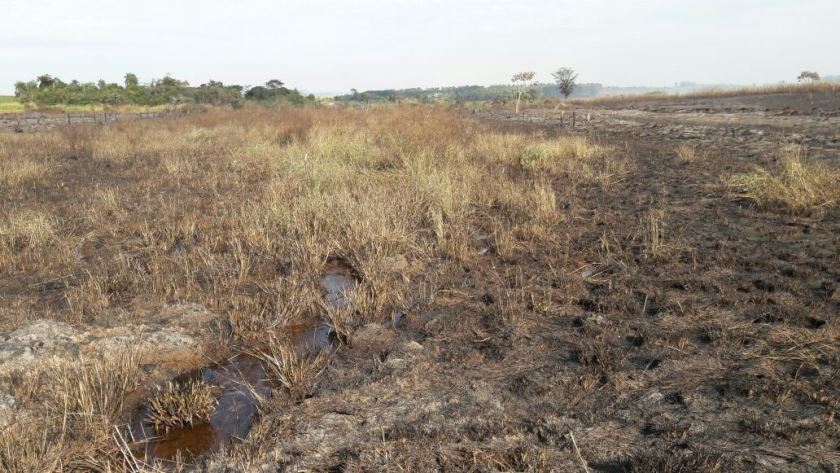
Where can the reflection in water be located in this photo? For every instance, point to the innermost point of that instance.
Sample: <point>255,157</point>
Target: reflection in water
<point>242,382</point>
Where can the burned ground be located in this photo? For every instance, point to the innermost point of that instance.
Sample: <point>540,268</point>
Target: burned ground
<point>634,314</point>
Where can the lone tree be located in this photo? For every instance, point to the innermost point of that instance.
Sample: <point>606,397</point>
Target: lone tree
<point>131,80</point>
<point>274,84</point>
<point>565,78</point>
<point>521,82</point>
<point>808,76</point>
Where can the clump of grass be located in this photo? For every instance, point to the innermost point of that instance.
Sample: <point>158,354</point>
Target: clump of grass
<point>296,373</point>
<point>94,391</point>
<point>658,461</point>
<point>66,410</point>
<point>17,173</point>
<point>687,153</point>
<point>550,153</point>
<point>796,185</point>
<point>575,158</point>
<point>654,234</point>
<point>78,140</point>
<point>177,405</point>
<point>26,230</point>
<point>30,445</point>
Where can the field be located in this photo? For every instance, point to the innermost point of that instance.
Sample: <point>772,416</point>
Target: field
<point>9,104</point>
<point>420,288</point>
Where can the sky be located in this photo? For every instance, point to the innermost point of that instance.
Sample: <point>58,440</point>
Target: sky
<point>330,46</point>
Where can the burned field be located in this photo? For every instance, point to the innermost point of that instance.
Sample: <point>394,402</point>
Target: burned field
<point>409,288</point>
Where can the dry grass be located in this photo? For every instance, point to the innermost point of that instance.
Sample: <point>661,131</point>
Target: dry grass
<point>26,446</point>
<point>94,391</point>
<point>653,461</point>
<point>814,88</point>
<point>238,211</point>
<point>519,261</point>
<point>296,373</point>
<point>796,185</point>
<point>574,157</point>
<point>688,154</point>
<point>200,209</point>
<point>67,412</point>
<point>177,405</point>
<point>15,174</point>
<point>654,234</point>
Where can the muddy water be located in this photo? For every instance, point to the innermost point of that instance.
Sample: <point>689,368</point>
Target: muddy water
<point>242,382</point>
<point>339,278</point>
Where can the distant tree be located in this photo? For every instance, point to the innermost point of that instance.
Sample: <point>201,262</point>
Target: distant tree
<point>808,76</point>
<point>521,82</point>
<point>26,91</point>
<point>131,80</point>
<point>169,81</point>
<point>565,78</point>
<point>47,81</point>
<point>274,84</point>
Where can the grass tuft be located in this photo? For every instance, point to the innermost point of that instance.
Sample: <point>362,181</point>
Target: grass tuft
<point>296,373</point>
<point>795,186</point>
<point>177,405</point>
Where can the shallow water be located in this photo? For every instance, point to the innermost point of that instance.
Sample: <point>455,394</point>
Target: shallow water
<point>243,382</point>
<point>338,280</point>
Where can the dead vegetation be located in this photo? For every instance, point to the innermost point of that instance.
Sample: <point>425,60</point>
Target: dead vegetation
<point>294,372</point>
<point>181,404</point>
<point>795,185</point>
<point>515,290</point>
<point>808,89</point>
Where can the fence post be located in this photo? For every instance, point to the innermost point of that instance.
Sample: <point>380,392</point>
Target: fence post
<point>573,118</point>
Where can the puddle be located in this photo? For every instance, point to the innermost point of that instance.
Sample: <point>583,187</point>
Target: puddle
<point>338,280</point>
<point>242,381</point>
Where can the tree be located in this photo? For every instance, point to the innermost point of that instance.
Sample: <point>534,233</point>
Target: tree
<point>808,76</point>
<point>47,81</point>
<point>131,80</point>
<point>521,82</point>
<point>274,84</point>
<point>26,91</point>
<point>565,78</point>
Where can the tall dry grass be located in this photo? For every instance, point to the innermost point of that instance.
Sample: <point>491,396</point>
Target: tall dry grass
<point>239,211</point>
<point>809,88</point>
<point>67,412</point>
<point>204,208</point>
<point>796,185</point>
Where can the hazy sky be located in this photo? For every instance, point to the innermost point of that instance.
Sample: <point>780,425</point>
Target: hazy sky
<point>333,45</point>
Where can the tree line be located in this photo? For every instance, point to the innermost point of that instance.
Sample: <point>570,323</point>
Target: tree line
<point>472,93</point>
<point>49,90</point>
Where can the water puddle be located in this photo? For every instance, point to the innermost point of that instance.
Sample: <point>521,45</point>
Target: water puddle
<point>240,384</point>
<point>339,279</point>
<point>241,380</point>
